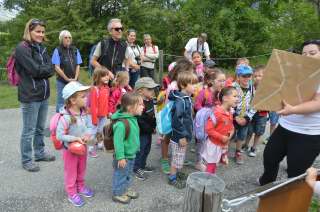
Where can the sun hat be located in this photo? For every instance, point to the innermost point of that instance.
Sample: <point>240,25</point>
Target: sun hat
<point>145,82</point>
<point>71,88</point>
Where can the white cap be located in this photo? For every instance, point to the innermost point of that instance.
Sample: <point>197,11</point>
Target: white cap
<point>71,88</point>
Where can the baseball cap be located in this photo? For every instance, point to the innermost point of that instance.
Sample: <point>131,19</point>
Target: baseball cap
<point>71,88</point>
<point>145,82</point>
<point>243,70</point>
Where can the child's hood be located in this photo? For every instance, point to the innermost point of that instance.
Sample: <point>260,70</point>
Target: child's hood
<point>174,94</point>
<point>121,115</point>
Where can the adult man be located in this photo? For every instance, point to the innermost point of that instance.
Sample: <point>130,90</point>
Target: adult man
<point>197,44</point>
<point>110,52</point>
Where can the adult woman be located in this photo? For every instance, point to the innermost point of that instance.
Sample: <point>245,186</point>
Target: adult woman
<point>67,60</point>
<point>34,66</point>
<point>150,54</point>
<point>298,133</point>
<point>134,55</point>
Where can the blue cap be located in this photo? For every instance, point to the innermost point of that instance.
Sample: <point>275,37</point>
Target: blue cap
<point>243,70</point>
<point>71,88</point>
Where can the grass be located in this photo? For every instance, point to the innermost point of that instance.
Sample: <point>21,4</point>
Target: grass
<point>9,97</point>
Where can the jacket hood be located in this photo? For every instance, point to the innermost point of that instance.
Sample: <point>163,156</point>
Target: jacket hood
<point>174,94</point>
<point>119,114</point>
<point>64,111</point>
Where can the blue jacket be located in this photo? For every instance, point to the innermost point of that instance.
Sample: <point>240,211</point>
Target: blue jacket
<point>181,116</point>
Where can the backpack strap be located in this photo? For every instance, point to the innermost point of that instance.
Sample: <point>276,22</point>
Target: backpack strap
<point>127,126</point>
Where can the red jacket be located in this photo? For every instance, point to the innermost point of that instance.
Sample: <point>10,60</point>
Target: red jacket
<point>221,126</point>
<point>99,98</point>
<point>115,97</point>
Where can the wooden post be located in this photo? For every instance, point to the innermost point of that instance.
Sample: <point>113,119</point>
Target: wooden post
<point>203,193</point>
<point>160,75</point>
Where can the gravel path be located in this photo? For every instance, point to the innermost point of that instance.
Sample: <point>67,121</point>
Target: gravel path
<point>43,191</point>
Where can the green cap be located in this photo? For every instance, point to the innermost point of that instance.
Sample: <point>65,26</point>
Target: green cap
<point>145,82</point>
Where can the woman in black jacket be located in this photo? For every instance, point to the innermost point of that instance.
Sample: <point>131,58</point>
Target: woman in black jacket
<point>34,67</point>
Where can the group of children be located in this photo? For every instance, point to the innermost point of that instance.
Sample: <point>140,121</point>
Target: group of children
<point>198,93</point>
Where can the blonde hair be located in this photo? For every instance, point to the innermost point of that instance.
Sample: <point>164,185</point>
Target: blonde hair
<point>185,78</point>
<point>30,26</point>
<point>98,73</point>
<point>121,77</point>
<point>130,99</point>
<point>68,104</point>
<point>64,33</point>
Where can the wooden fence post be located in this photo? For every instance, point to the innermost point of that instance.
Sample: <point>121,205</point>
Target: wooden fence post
<point>160,75</point>
<point>203,193</point>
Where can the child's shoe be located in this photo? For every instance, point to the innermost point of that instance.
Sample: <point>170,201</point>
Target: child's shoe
<point>224,159</point>
<point>238,158</point>
<point>100,146</point>
<point>179,184</point>
<point>244,148</point>
<point>182,176</point>
<point>252,152</point>
<point>148,169</point>
<point>140,175</point>
<point>92,151</point>
<point>76,200</point>
<point>132,194</point>
<point>165,167</point>
<point>124,199</point>
<point>87,192</point>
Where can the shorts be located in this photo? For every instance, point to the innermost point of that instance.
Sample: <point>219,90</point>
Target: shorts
<point>178,154</point>
<point>274,117</point>
<point>241,132</point>
<point>257,125</point>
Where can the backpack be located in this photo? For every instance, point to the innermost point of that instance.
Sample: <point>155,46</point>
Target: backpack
<point>108,133</point>
<point>164,119</point>
<point>200,121</point>
<point>12,75</point>
<point>153,49</point>
<point>53,130</point>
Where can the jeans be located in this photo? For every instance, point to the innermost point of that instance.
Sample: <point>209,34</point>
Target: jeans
<point>257,125</point>
<point>134,75</point>
<point>34,115</point>
<point>146,72</point>
<point>141,156</point>
<point>122,177</point>
<point>60,101</point>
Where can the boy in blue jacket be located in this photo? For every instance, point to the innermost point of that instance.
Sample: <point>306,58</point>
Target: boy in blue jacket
<point>181,125</point>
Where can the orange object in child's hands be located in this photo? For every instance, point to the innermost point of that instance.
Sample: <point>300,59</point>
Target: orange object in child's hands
<point>77,148</point>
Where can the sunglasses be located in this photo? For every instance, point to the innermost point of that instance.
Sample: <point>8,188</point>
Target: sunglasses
<point>118,29</point>
<point>36,22</point>
<point>246,75</point>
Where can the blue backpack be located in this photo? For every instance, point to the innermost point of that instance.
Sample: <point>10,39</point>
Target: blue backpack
<point>164,119</point>
<point>200,121</point>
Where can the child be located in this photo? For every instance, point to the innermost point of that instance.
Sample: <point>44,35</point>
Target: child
<point>119,88</point>
<point>199,67</point>
<point>220,130</point>
<point>311,180</point>
<point>180,66</point>
<point>79,130</point>
<point>147,123</point>
<point>259,120</point>
<point>125,149</point>
<point>99,98</point>
<point>181,125</point>
<point>243,111</point>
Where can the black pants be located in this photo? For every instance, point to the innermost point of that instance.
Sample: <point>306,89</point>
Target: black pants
<point>142,155</point>
<point>301,150</point>
<point>146,72</point>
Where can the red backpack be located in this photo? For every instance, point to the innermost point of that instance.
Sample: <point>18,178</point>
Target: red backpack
<point>53,130</point>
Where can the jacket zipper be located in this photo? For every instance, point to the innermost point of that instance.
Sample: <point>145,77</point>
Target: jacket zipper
<point>112,59</point>
<point>42,62</point>
<point>34,84</point>
<point>45,89</point>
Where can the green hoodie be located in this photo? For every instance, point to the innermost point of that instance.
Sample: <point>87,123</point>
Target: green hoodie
<point>125,149</point>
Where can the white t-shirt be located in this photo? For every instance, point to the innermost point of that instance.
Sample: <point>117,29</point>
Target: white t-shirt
<point>308,124</point>
<point>132,52</point>
<point>193,45</point>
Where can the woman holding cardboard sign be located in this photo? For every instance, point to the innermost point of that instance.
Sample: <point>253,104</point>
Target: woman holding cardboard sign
<point>298,135</point>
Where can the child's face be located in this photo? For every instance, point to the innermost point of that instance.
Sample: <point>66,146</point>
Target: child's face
<point>257,76</point>
<point>189,89</point>
<point>104,80</point>
<point>244,80</point>
<point>219,82</point>
<point>138,108</point>
<point>125,82</point>
<point>232,99</point>
<point>148,93</point>
<point>80,100</point>
<point>196,59</point>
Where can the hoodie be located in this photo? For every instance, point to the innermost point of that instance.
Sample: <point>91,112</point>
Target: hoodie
<point>125,148</point>
<point>181,116</point>
<point>82,128</point>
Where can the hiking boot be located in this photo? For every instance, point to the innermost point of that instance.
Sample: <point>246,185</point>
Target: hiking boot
<point>148,169</point>
<point>46,157</point>
<point>179,184</point>
<point>165,167</point>
<point>86,192</point>
<point>252,152</point>
<point>182,176</point>
<point>132,194</point>
<point>124,199</point>
<point>76,200</point>
<point>31,167</point>
<point>238,158</point>
<point>140,175</point>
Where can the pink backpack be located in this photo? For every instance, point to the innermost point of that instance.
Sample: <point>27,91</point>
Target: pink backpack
<point>53,130</point>
<point>12,75</point>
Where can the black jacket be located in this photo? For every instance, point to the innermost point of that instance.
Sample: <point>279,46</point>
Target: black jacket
<point>147,120</point>
<point>182,124</point>
<point>68,62</point>
<point>33,64</point>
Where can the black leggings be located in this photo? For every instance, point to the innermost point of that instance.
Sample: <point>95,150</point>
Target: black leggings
<point>301,150</point>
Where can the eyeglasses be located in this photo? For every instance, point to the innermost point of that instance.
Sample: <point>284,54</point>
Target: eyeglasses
<point>36,22</point>
<point>118,29</point>
<point>246,75</point>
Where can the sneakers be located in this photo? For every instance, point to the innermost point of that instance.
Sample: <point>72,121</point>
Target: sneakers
<point>86,192</point>
<point>31,167</point>
<point>92,152</point>
<point>224,159</point>
<point>46,157</point>
<point>182,176</point>
<point>100,146</point>
<point>132,194</point>
<point>252,152</point>
<point>179,184</point>
<point>76,200</point>
<point>124,199</point>
<point>165,167</point>
<point>187,163</point>
<point>148,169</point>
<point>238,158</point>
<point>140,175</point>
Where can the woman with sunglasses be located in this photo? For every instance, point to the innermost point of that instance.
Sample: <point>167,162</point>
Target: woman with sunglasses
<point>298,134</point>
<point>67,60</point>
<point>34,67</point>
<point>150,54</point>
